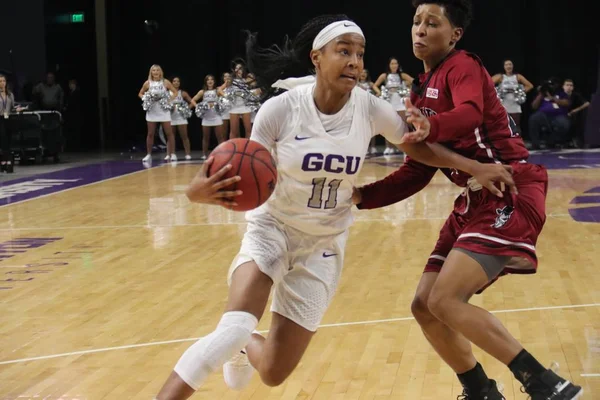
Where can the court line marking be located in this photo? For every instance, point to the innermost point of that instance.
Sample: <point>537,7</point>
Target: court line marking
<point>77,187</point>
<point>591,375</point>
<point>378,321</point>
<point>220,223</point>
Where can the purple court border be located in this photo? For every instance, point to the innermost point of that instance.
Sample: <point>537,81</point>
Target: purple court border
<point>30,187</point>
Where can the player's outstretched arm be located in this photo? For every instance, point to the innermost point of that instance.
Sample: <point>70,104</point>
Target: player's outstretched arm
<point>436,155</point>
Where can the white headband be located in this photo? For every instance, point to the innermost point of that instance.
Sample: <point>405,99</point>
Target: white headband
<point>334,30</point>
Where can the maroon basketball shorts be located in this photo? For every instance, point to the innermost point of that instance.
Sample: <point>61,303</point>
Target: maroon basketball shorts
<point>486,224</point>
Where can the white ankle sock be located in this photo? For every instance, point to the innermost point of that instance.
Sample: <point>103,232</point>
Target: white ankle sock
<point>212,351</point>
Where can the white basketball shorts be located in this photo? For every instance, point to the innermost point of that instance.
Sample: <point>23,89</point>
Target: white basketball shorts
<point>305,269</point>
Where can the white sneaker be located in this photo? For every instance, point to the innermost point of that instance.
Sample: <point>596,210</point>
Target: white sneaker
<point>173,157</point>
<point>188,157</point>
<point>388,151</point>
<point>238,371</point>
<point>148,158</point>
<point>373,150</point>
<point>167,157</point>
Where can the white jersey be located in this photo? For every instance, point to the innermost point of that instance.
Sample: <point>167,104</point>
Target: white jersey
<point>319,156</point>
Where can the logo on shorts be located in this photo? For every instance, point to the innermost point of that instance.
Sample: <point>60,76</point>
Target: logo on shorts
<point>502,216</point>
<point>326,255</point>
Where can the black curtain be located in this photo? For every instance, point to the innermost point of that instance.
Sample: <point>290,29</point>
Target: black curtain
<point>195,38</point>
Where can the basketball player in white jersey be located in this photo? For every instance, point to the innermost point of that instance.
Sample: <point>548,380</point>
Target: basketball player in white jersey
<point>319,132</point>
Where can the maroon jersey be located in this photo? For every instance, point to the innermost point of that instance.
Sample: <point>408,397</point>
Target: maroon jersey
<point>460,101</point>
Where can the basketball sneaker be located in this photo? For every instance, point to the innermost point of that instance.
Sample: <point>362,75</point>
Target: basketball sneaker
<point>491,393</point>
<point>550,386</point>
<point>238,372</point>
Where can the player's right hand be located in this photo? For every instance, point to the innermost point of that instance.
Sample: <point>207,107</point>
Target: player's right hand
<point>489,174</point>
<point>210,190</point>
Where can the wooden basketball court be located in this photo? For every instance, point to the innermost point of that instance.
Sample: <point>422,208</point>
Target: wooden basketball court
<point>104,285</point>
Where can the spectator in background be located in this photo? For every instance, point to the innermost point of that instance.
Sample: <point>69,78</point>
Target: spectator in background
<point>49,95</point>
<point>7,103</point>
<point>576,105</point>
<point>508,83</point>
<point>73,116</point>
<point>552,105</point>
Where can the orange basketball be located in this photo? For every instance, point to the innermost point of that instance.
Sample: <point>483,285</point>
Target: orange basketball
<point>253,163</point>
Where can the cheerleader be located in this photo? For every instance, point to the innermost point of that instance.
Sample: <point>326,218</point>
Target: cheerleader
<point>225,90</point>
<point>209,94</point>
<point>157,114</point>
<point>394,80</point>
<point>255,91</point>
<point>364,82</point>
<point>239,109</point>
<point>178,121</point>
<point>508,83</point>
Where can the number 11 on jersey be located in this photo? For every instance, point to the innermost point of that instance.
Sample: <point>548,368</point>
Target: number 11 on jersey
<point>316,199</point>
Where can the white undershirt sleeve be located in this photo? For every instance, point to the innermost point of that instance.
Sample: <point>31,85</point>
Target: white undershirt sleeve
<point>386,121</point>
<point>269,121</point>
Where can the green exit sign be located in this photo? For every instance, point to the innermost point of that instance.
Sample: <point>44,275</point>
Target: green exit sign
<point>78,18</point>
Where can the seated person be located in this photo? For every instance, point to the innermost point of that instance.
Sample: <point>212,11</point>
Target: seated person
<point>577,104</point>
<point>552,105</point>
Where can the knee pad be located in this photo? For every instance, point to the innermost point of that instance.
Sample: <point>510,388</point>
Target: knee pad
<point>212,351</point>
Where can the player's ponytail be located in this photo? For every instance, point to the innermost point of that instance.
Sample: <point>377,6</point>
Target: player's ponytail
<point>292,59</point>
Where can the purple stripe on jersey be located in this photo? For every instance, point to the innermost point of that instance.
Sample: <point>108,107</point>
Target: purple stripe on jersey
<point>22,189</point>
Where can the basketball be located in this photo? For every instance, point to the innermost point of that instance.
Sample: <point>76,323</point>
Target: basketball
<point>253,163</point>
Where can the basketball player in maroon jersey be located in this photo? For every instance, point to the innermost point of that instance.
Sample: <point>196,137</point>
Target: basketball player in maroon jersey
<point>485,236</point>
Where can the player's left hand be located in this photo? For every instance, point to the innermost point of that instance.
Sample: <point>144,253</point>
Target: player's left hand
<point>489,174</point>
<point>415,117</point>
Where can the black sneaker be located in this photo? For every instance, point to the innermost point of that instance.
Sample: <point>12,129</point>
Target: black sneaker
<point>549,386</point>
<point>491,393</point>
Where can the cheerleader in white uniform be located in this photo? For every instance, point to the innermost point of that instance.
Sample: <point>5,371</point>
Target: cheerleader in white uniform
<point>224,90</point>
<point>157,114</point>
<point>178,122</point>
<point>255,91</point>
<point>508,83</point>
<point>211,118</point>
<point>364,82</point>
<point>239,109</point>
<point>394,80</point>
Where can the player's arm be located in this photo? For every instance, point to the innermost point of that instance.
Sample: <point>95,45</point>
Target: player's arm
<point>394,129</point>
<point>411,178</point>
<point>464,83</point>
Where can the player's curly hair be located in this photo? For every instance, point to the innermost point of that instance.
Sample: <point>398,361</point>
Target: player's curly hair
<point>459,12</point>
<point>289,60</point>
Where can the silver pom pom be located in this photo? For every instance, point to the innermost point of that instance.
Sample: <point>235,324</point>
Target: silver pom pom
<point>147,101</point>
<point>403,91</point>
<point>184,110</point>
<point>520,95</point>
<point>385,93</point>
<point>500,93</point>
<point>243,91</point>
<point>156,95</point>
<point>165,104</point>
<point>202,109</point>
<point>224,104</point>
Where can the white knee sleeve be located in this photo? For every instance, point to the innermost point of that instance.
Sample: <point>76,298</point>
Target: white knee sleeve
<point>211,352</point>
